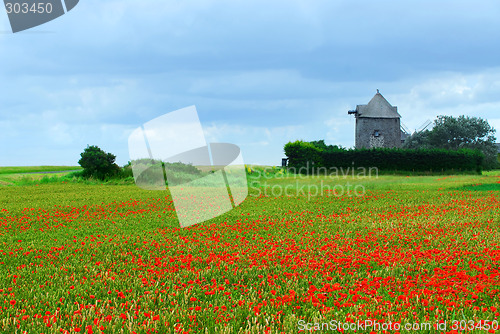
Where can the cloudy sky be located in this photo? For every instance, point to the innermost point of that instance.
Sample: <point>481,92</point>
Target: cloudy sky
<point>260,73</point>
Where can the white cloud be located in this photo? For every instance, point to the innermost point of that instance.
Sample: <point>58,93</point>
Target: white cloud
<point>260,73</point>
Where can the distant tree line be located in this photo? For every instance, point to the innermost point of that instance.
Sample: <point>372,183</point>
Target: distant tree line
<point>317,156</point>
<point>458,133</point>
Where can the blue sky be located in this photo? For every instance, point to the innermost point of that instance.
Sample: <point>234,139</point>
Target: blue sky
<point>261,73</point>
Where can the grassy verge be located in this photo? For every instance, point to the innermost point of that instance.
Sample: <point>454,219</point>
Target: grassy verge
<point>36,169</point>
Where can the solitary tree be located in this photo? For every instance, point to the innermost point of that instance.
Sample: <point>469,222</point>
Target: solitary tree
<point>456,133</point>
<point>97,163</point>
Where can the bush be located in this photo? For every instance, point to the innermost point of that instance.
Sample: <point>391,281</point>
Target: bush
<point>302,154</point>
<point>98,164</point>
<point>306,155</point>
<point>150,171</point>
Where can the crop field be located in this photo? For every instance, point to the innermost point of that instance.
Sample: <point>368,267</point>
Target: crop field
<point>26,174</point>
<point>299,255</point>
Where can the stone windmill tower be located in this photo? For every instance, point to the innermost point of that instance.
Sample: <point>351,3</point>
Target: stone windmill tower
<point>378,124</point>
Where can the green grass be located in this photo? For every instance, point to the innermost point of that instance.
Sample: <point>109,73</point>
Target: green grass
<point>274,177</point>
<point>22,179</point>
<point>483,187</point>
<point>36,169</point>
<point>26,176</point>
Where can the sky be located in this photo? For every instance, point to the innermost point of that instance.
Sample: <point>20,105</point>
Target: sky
<point>260,73</point>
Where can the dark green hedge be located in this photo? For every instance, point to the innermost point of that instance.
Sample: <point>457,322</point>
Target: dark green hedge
<point>306,155</point>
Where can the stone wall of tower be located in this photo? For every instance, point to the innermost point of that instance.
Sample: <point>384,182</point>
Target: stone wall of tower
<point>388,130</point>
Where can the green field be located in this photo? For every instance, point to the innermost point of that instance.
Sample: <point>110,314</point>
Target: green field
<point>299,252</point>
<point>36,169</point>
<point>26,174</point>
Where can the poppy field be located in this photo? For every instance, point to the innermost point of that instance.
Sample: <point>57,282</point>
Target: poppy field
<point>83,258</point>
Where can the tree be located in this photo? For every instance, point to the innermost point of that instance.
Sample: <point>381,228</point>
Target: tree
<point>456,133</point>
<point>97,163</point>
<point>418,140</point>
<point>319,144</point>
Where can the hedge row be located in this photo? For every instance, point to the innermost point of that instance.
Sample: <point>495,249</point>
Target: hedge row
<point>307,155</point>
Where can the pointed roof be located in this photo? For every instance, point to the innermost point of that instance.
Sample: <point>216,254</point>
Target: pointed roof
<point>378,107</point>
